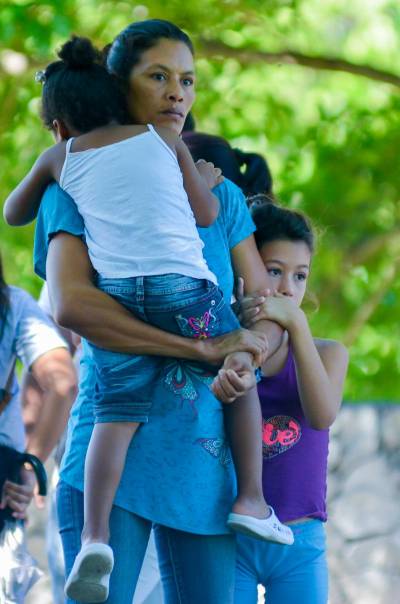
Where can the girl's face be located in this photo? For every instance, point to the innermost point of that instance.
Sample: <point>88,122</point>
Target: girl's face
<point>288,266</point>
<point>161,85</point>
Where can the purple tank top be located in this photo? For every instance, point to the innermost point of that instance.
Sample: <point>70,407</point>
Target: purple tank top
<point>294,455</point>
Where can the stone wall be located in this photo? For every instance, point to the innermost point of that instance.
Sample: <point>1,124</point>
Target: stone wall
<point>364,505</point>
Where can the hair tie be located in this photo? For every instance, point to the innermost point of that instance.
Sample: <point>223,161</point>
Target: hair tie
<point>40,76</point>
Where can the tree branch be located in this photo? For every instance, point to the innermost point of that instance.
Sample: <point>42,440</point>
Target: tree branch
<point>367,309</point>
<point>362,252</point>
<point>359,254</point>
<point>215,48</point>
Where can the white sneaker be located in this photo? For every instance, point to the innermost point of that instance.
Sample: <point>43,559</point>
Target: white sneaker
<point>89,578</point>
<point>267,529</point>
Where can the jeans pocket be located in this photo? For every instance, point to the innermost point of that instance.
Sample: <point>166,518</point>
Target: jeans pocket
<point>202,320</point>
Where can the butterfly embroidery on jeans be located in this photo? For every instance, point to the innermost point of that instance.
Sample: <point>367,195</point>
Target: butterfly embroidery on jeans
<point>198,327</point>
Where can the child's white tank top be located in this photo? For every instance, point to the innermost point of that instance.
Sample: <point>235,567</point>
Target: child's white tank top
<point>138,220</point>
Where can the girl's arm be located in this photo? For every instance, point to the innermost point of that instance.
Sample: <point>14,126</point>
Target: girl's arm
<point>80,306</point>
<point>321,365</point>
<point>204,204</point>
<point>21,206</point>
<point>321,368</point>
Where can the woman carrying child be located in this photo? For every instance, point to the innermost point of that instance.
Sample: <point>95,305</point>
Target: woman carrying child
<point>192,488</point>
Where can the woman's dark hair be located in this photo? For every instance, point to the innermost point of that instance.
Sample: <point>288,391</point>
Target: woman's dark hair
<point>4,300</point>
<point>126,50</point>
<point>273,223</point>
<point>256,178</point>
<point>79,90</point>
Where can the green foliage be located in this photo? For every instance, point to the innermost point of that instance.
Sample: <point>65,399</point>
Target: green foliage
<point>331,138</point>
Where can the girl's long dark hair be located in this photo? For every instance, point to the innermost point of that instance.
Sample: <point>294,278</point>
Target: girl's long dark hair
<point>4,300</point>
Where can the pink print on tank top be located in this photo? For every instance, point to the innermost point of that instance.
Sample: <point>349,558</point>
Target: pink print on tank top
<point>279,433</point>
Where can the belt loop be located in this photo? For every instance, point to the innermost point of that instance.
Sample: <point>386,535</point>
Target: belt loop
<point>139,282</point>
<point>140,289</point>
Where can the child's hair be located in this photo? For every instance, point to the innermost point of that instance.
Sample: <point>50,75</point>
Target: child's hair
<point>249,171</point>
<point>78,89</point>
<point>273,222</point>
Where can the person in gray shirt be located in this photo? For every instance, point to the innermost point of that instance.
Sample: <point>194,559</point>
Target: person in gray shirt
<point>27,334</point>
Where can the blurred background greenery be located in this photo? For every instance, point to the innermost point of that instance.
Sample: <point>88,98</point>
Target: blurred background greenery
<point>313,87</point>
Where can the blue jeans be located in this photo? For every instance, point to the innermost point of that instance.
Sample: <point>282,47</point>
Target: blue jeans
<point>291,574</point>
<point>54,549</point>
<point>201,566</point>
<point>193,308</point>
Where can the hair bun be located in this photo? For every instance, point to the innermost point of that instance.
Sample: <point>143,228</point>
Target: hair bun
<point>79,53</point>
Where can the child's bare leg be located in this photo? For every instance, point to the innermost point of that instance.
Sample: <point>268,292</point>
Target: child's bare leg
<point>243,423</point>
<point>105,460</point>
<point>251,514</point>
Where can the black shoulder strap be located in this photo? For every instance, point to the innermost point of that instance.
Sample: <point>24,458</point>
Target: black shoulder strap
<point>5,394</point>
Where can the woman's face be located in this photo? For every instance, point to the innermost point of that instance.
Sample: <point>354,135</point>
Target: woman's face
<point>161,85</point>
<point>288,266</point>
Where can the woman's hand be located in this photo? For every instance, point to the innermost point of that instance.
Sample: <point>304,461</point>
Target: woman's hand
<point>18,496</point>
<point>211,174</point>
<point>215,350</point>
<point>235,378</point>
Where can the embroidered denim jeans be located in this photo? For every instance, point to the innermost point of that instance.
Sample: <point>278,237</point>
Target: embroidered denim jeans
<point>193,308</point>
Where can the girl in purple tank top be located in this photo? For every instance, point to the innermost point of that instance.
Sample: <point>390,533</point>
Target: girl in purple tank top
<point>300,394</point>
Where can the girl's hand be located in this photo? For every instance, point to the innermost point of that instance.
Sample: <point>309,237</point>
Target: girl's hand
<point>18,496</point>
<point>211,174</point>
<point>269,305</point>
<point>282,310</point>
<point>235,378</point>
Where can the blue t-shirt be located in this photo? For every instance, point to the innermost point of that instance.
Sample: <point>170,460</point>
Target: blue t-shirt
<point>178,470</point>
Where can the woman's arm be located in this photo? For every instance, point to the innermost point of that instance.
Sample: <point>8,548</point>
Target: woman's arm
<point>80,306</point>
<point>247,264</point>
<point>22,205</point>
